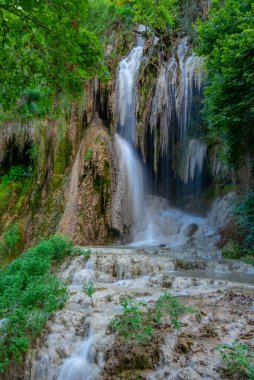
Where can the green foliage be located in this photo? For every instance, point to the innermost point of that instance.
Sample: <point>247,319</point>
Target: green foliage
<point>133,323</point>
<point>29,294</point>
<point>16,173</point>
<point>244,212</point>
<point>80,251</point>
<point>138,323</point>
<point>227,41</point>
<point>45,47</point>
<point>105,15</point>
<point>9,242</point>
<point>161,15</point>
<point>33,102</point>
<point>238,358</point>
<point>89,154</point>
<point>232,250</point>
<point>89,289</point>
<point>167,305</point>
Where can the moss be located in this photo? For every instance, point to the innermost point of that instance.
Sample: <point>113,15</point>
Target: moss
<point>26,188</point>
<point>5,197</point>
<point>88,154</point>
<point>55,183</point>
<point>62,156</point>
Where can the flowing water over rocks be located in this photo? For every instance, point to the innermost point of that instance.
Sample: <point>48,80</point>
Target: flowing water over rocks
<point>77,341</point>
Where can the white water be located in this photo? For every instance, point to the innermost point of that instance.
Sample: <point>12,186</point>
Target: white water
<point>193,160</point>
<point>130,165</point>
<point>81,366</point>
<point>154,222</point>
<point>128,74</point>
<point>163,224</point>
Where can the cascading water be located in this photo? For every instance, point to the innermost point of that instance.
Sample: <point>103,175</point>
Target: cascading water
<point>175,126</point>
<point>129,163</point>
<point>81,365</point>
<point>153,221</point>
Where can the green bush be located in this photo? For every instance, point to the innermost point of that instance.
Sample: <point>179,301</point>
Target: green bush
<point>244,213</point>
<point>167,305</point>
<point>79,251</point>
<point>89,290</point>
<point>16,173</point>
<point>138,322</point>
<point>29,294</point>
<point>238,358</point>
<point>232,250</point>
<point>9,242</point>
<point>133,324</point>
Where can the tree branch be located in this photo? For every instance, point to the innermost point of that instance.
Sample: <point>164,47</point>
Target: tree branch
<point>24,16</point>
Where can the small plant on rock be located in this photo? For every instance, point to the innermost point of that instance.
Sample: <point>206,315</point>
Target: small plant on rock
<point>138,322</point>
<point>89,290</point>
<point>79,251</point>
<point>239,358</point>
<point>133,323</point>
<point>170,306</point>
<point>89,154</point>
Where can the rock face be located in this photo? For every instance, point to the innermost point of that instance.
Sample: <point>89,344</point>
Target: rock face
<point>87,215</point>
<point>221,211</point>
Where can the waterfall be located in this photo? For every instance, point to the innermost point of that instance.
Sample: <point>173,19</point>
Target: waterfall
<point>80,366</point>
<point>153,221</point>
<point>127,77</point>
<point>175,125</point>
<point>130,166</point>
<point>193,161</point>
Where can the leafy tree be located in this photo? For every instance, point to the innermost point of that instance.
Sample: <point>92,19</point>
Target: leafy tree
<point>227,41</point>
<point>160,15</point>
<point>44,46</point>
<point>104,16</point>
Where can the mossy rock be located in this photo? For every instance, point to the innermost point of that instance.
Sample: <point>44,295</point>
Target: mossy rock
<point>62,156</point>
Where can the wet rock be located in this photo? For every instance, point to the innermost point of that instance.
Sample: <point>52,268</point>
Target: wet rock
<point>221,211</point>
<point>167,281</point>
<point>184,344</point>
<point>190,230</point>
<point>187,374</point>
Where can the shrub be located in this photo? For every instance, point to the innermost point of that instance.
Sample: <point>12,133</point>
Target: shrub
<point>132,324</point>
<point>9,242</point>
<point>79,251</point>
<point>167,305</point>
<point>232,250</point>
<point>29,294</point>
<point>89,290</point>
<point>16,173</point>
<point>244,213</point>
<point>138,323</point>
<point>238,358</point>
